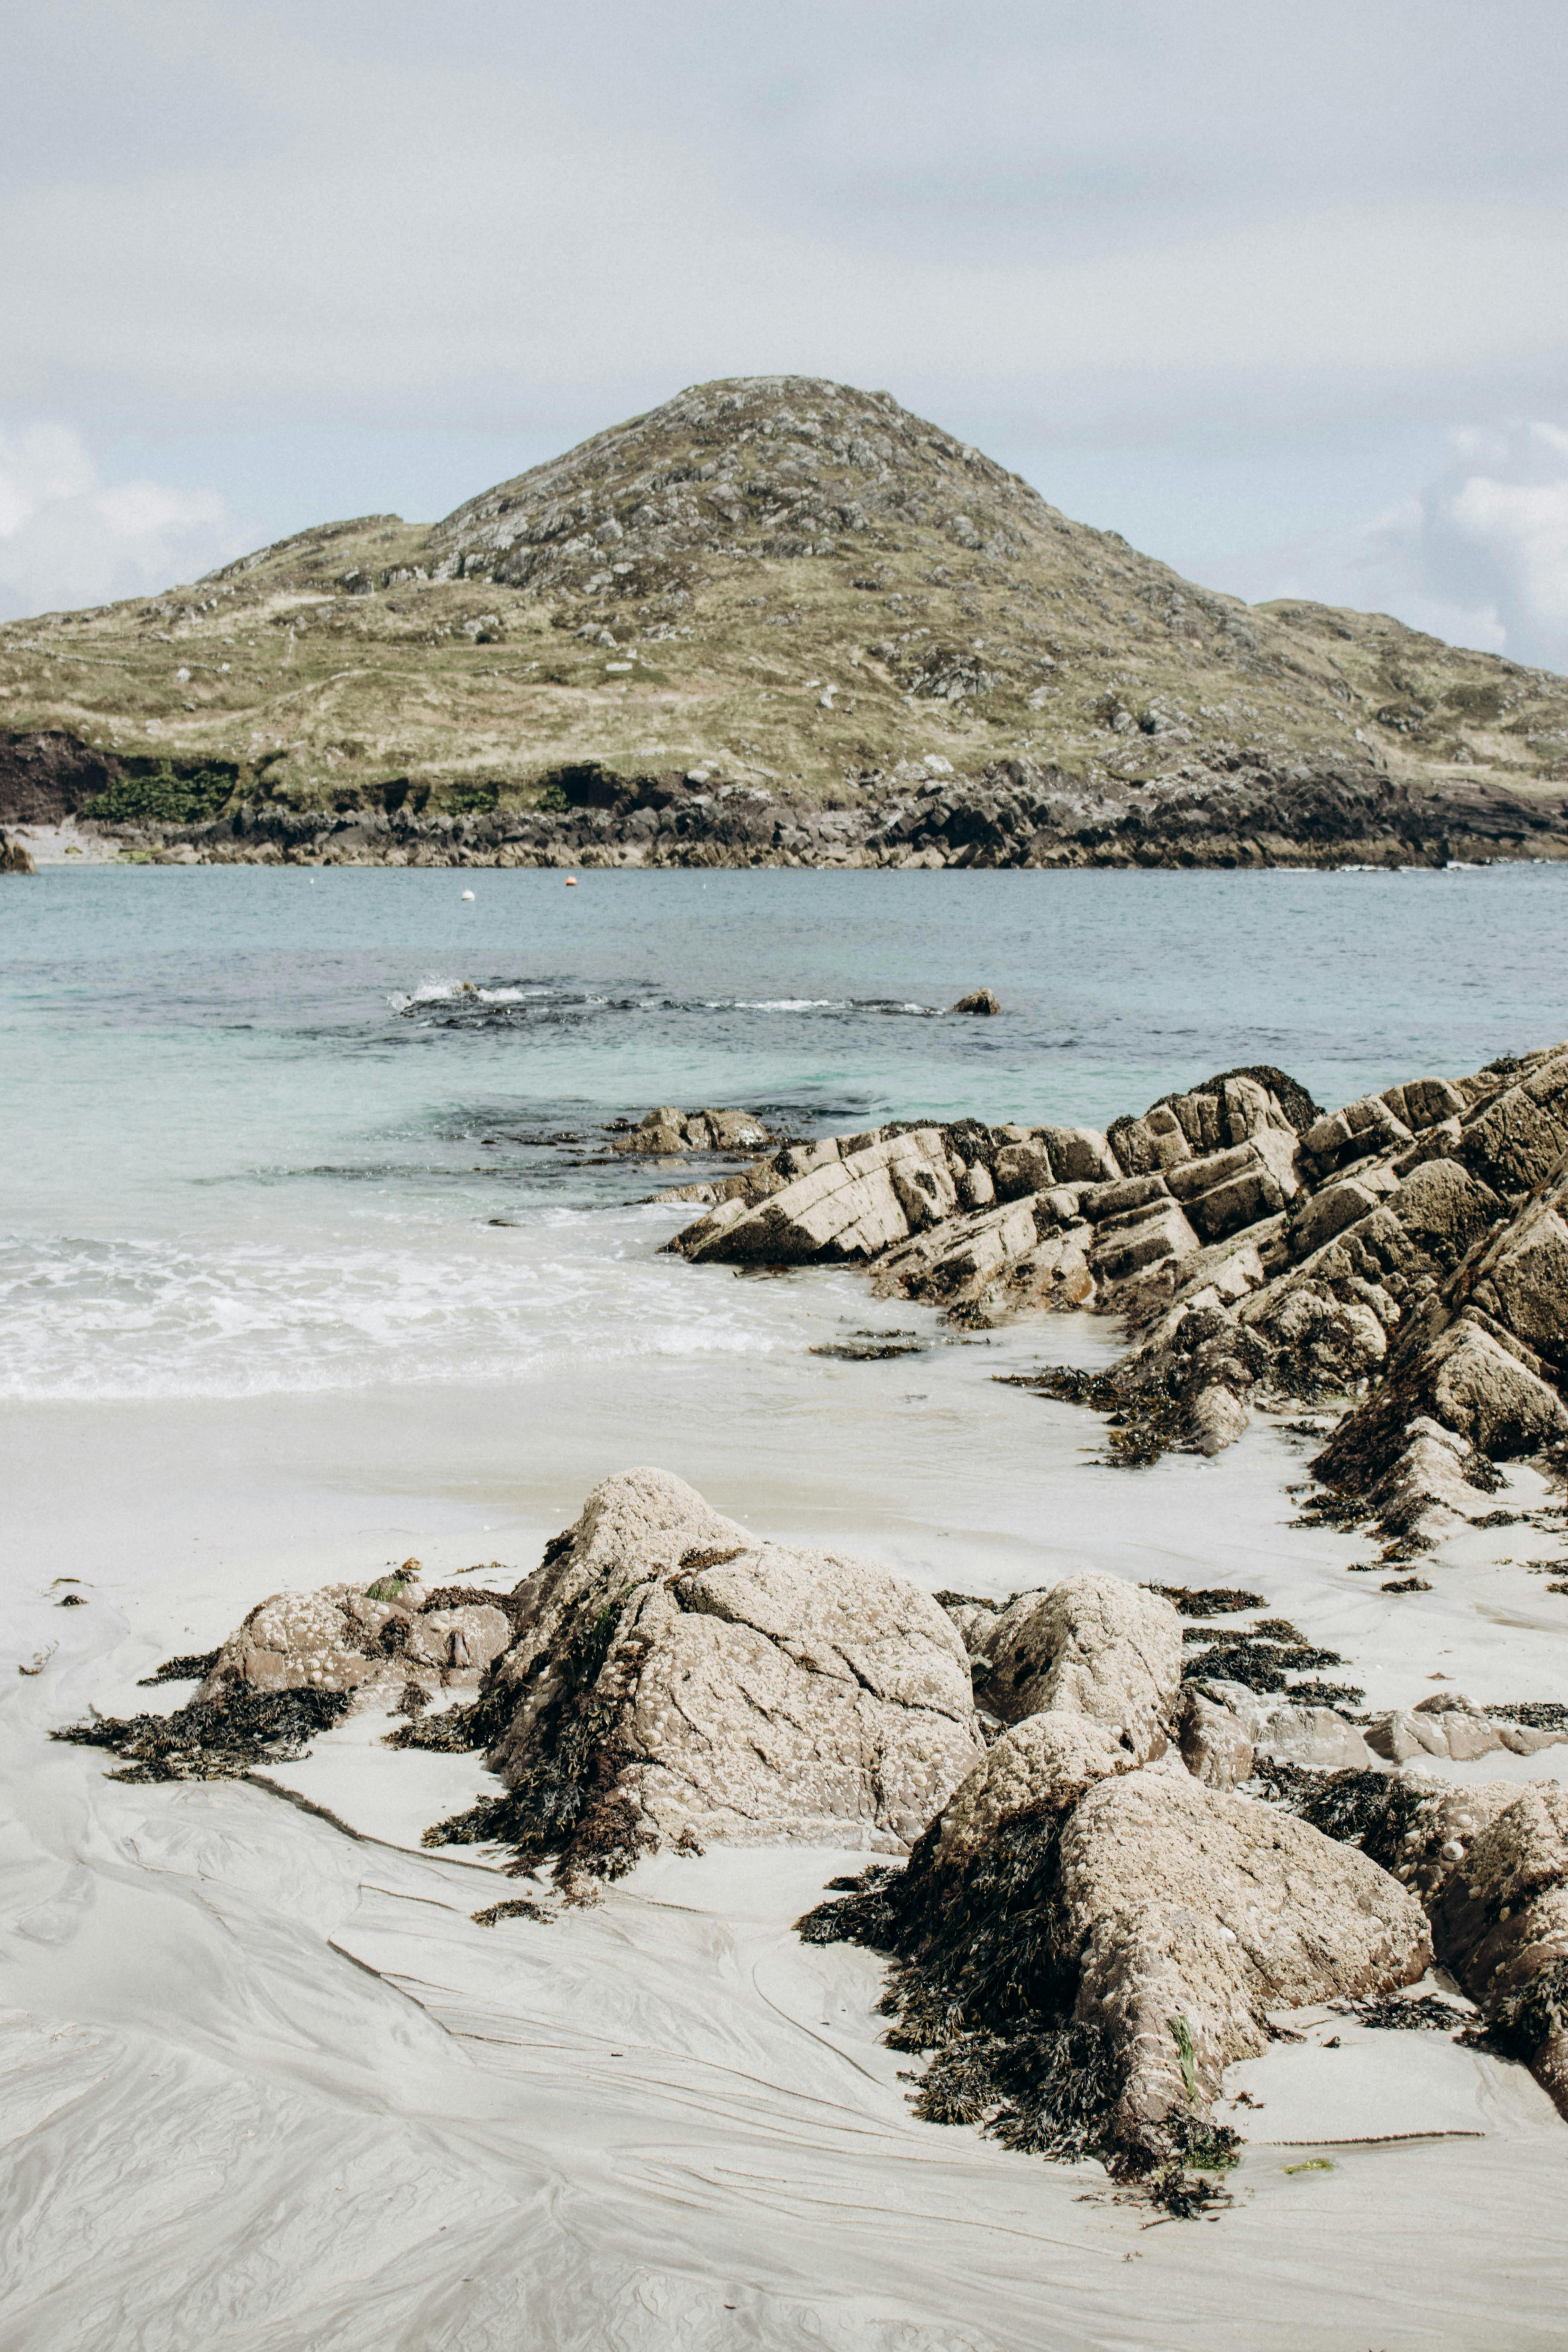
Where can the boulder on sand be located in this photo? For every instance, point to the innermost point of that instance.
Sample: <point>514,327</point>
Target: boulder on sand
<point>1092,1645</point>
<point>1086,1968</point>
<point>1491,1863</point>
<point>370,1643</point>
<point>675,1680</point>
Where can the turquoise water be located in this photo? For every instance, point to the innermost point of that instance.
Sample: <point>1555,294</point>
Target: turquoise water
<point>261,1128</point>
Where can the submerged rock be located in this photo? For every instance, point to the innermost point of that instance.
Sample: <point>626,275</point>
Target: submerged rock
<point>665,1131</point>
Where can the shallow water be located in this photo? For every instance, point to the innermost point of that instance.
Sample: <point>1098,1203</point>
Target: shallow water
<point>264,1120</point>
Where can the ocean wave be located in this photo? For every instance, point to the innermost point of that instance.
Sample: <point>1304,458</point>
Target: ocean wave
<point>128,1318</point>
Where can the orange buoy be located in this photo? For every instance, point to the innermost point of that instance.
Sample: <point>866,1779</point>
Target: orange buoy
<point>571,881</point>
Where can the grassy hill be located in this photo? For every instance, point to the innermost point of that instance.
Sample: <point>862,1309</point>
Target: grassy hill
<point>779,581</point>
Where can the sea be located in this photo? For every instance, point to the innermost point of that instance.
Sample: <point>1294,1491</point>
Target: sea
<point>314,1257</point>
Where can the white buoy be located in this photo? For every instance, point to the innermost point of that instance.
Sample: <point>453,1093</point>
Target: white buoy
<point>468,894</point>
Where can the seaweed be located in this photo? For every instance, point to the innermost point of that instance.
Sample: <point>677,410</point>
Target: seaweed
<point>209,1741</point>
<point>1405,1584</point>
<point>522,1909</point>
<point>850,1352</point>
<point>1261,1664</point>
<point>1519,2022</point>
<point>1367,1808</point>
<point>982,1983</point>
<point>1144,1423</point>
<point>1048,2092</point>
<point>191,1666</point>
<point>1425,2014</point>
<point>1533,1714</point>
<point>455,1731</point>
<point>562,1801</point>
<point>1206,1599</point>
<point>1316,1693</point>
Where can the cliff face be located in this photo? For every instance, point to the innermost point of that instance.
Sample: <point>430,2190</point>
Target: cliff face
<point>802,595</point>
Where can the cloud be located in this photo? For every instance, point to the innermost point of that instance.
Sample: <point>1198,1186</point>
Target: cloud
<point>406,231</point>
<point>66,538</point>
<point>1480,557</point>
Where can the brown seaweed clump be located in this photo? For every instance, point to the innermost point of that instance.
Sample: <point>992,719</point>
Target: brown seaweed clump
<point>1208,1600</point>
<point>190,1666</point>
<point>207,1741</point>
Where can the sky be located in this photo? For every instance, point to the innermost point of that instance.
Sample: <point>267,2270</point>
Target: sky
<point>1281,294</point>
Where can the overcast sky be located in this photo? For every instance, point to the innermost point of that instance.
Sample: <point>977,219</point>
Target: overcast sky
<point>1279,293</point>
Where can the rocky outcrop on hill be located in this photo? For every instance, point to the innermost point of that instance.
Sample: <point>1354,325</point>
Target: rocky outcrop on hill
<point>921,817</point>
<point>774,621</point>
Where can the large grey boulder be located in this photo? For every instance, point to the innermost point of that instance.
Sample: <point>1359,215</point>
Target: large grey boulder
<point>1216,1748</point>
<point>1046,1762</point>
<point>1086,1963</point>
<point>1093,1645</point>
<point>1191,1912</point>
<point>675,1680</point>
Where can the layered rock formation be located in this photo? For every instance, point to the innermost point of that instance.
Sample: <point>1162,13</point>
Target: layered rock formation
<point>1406,1255</point>
<point>774,621</point>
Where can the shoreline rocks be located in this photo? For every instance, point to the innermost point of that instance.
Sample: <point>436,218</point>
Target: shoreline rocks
<point>1106,1896</point>
<point>673,1680</point>
<point>1405,1257</point>
<point>1014,812</point>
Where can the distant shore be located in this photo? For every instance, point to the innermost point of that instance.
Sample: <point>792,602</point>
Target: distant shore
<point>928,818</point>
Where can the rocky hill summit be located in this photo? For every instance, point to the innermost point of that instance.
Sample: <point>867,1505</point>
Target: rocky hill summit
<point>768,601</point>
